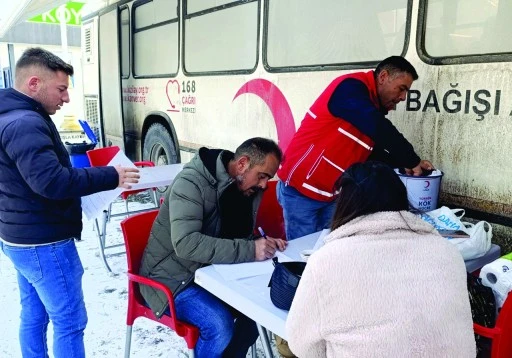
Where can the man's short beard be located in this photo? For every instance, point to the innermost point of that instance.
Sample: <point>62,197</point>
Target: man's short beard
<point>241,178</point>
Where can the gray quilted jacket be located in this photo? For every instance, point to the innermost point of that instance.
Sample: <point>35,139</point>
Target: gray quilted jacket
<point>184,236</point>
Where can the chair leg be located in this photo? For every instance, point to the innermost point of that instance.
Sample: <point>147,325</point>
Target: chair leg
<point>157,203</point>
<point>101,239</point>
<point>128,343</point>
<point>264,341</point>
<point>253,351</point>
<point>126,205</point>
<point>109,212</point>
<point>97,228</point>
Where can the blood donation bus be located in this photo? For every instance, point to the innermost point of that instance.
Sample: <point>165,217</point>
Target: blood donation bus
<point>165,77</point>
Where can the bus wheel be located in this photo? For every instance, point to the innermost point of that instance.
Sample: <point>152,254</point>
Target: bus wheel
<point>159,146</point>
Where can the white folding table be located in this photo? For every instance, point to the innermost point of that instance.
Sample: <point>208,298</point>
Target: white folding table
<point>96,204</point>
<point>251,296</point>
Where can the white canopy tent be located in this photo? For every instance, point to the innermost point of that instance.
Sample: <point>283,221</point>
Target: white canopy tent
<point>14,12</point>
<point>14,39</point>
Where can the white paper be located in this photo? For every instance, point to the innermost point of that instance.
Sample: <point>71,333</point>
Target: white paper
<point>121,159</point>
<point>320,242</point>
<point>161,175</point>
<point>94,204</point>
<point>232,272</point>
<point>150,177</point>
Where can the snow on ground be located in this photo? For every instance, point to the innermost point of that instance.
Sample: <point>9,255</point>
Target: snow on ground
<point>105,298</point>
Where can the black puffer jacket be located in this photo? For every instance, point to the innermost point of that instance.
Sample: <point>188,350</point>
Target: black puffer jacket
<point>39,190</point>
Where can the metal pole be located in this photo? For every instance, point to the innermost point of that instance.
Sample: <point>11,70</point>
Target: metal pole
<point>61,15</point>
<point>264,341</point>
<point>12,65</point>
<point>2,83</point>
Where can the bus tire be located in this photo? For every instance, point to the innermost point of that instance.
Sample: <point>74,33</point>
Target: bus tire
<point>159,146</point>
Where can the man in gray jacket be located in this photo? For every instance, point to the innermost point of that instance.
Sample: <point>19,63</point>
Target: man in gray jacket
<point>208,217</point>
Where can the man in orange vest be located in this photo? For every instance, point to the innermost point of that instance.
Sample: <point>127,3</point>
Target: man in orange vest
<point>345,125</point>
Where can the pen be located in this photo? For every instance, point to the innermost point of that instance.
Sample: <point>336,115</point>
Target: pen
<point>262,232</point>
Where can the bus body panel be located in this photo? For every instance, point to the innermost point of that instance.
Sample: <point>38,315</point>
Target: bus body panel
<point>110,92</point>
<point>458,115</point>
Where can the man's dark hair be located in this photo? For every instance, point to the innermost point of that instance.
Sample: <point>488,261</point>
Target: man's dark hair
<point>37,56</point>
<point>257,149</point>
<point>395,65</point>
<point>367,188</point>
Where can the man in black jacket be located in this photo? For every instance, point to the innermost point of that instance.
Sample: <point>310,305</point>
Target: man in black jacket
<point>40,208</point>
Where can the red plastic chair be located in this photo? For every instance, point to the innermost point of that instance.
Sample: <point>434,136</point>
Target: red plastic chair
<point>270,214</point>
<point>126,194</point>
<point>136,231</point>
<point>501,333</point>
<point>100,157</point>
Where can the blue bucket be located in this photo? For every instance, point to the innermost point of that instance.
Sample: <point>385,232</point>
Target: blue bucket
<point>78,151</point>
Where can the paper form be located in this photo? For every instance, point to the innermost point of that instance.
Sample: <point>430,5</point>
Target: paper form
<point>161,175</point>
<point>232,272</point>
<point>94,204</point>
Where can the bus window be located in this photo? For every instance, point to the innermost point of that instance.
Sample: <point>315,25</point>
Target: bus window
<point>155,38</point>
<point>200,5</point>
<point>222,38</point>
<point>319,33</point>
<point>469,27</point>
<point>124,31</point>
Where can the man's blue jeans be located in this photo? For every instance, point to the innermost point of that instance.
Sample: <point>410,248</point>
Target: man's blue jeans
<point>50,283</point>
<point>302,215</point>
<point>223,332</point>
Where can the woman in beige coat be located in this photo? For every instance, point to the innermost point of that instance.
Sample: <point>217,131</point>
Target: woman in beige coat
<point>385,284</point>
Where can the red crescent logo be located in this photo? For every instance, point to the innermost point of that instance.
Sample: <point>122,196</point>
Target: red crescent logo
<point>278,105</point>
<point>427,183</point>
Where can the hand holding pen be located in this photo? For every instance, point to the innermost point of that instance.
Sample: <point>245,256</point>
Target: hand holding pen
<point>262,232</point>
<point>265,247</point>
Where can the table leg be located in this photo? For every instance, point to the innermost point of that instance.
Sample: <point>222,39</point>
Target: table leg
<point>265,342</point>
<point>101,239</point>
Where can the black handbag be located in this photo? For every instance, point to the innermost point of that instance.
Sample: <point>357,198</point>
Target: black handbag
<point>284,282</point>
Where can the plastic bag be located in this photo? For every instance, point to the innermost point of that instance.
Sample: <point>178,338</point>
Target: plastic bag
<point>480,234</point>
<point>445,218</point>
<point>479,242</point>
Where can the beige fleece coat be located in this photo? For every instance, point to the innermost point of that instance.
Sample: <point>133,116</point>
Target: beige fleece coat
<point>384,285</point>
